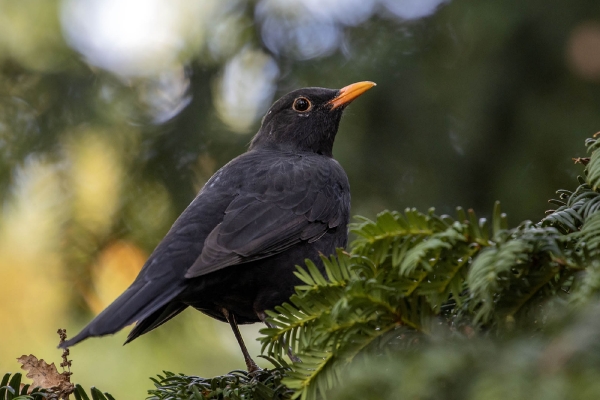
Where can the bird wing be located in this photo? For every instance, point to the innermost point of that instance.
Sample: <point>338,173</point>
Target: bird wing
<point>291,199</point>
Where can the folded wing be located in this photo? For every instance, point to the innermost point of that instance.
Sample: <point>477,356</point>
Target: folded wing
<point>296,200</point>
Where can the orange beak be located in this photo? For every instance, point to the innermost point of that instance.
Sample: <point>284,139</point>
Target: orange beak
<point>349,93</point>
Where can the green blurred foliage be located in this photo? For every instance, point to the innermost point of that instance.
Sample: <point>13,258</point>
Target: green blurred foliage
<point>561,363</point>
<point>103,145</point>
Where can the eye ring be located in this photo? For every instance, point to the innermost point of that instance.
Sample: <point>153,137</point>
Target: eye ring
<point>302,104</point>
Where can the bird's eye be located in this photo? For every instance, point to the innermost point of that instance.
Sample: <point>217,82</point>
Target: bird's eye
<point>301,104</point>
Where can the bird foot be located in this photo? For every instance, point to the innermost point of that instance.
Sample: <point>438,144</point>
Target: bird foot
<point>252,367</point>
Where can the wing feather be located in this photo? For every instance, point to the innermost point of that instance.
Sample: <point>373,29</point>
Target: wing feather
<point>293,202</point>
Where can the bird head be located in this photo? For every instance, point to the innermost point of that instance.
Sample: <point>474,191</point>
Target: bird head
<point>306,119</point>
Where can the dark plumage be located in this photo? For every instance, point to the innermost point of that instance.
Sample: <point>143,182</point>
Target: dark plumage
<point>231,254</point>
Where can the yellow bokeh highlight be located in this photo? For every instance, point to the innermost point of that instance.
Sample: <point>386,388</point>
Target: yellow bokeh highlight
<point>32,298</point>
<point>114,270</point>
<point>96,175</point>
<point>30,33</point>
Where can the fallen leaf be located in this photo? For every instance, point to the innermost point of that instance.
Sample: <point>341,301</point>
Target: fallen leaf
<point>46,376</point>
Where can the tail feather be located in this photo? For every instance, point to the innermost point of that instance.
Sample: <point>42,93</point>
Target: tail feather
<point>138,302</point>
<point>156,319</point>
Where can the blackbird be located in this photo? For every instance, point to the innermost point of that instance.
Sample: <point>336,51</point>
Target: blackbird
<point>231,254</point>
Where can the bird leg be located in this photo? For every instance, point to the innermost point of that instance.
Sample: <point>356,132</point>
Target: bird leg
<point>263,317</point>
<point>250,364</point>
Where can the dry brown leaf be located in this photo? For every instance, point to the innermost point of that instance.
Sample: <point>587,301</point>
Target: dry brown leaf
<point>46,376</point>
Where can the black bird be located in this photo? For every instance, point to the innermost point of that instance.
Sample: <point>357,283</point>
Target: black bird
<point>231,254</point>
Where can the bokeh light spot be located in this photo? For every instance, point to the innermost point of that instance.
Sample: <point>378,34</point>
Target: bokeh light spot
<point>133,37</point>
<point>246,89</point>
<point>583,51</point>
<point>412,9</point>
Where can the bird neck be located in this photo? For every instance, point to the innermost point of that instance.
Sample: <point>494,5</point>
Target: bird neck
<point>318,144</point>
<point>290,148</point>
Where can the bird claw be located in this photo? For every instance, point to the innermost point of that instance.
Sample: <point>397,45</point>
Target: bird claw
<point>252,367</point>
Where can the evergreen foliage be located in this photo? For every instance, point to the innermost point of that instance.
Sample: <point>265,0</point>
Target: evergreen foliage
<point>524,367</point>
<point>96,394</point>
<point>237,385</point>
<point>11,389</point>
<point>410,275</point>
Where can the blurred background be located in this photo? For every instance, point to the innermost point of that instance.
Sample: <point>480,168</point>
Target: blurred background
<point>114,113</point>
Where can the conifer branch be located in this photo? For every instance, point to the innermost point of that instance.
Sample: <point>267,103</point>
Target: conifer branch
<point>407,269</point>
